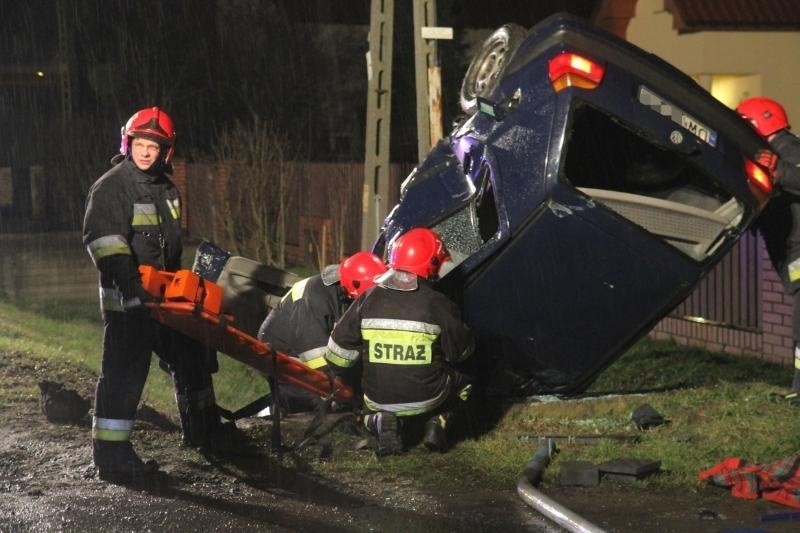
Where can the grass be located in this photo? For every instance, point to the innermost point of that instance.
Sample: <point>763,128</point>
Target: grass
<point>72,334</point>
<point>716,405</point>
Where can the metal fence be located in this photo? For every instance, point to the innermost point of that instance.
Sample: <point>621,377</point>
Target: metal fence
<point>730,294</point>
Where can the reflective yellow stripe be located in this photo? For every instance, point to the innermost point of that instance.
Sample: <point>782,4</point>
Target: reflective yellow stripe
<point>145,219</point>
<point>409,408</point>
<point>794,270</point>
<point>400,325</point>
<point>122,249</point>
<point>111,429</point>
<point>399,347</point>
<point>317,362</point>
<point>108,245</point>
<point>312,354</point>
<point>145,215</point>
<point>464,393</point>
<point>174,208</point>
<point>349,357</point>
<point>335,360</point>
<point>298,289</point>
<point>114,435</point>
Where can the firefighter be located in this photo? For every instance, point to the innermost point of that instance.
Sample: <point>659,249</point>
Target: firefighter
<point>302,322</point>
<point>133,218</point>
<point>779,223</point>
<point>408,339</point>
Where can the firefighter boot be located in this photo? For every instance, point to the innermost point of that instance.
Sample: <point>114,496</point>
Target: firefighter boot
<point>118,463</point>
<point>385,427</point>
<point>435,439</point>
<point>200,419</point>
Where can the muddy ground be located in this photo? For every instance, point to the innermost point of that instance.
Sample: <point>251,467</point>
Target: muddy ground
<point>47,483</point>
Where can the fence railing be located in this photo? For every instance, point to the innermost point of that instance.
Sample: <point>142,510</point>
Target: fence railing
<point>730,294</point>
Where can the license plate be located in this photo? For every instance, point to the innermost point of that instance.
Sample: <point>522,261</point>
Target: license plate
<point>676,114</point>
<point>700,130</point>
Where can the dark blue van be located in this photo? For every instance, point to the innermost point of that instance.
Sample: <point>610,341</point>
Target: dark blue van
<point>588,189</point>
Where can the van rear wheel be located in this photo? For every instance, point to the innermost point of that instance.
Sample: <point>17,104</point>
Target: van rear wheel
<point>489,64</point>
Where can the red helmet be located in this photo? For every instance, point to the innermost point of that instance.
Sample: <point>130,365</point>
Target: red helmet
<point>150,123</point>
<point>357,273</point>
<point>767,116</point>
<point>419,250</point>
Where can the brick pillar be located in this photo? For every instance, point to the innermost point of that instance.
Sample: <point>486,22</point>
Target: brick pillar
<point>776,314</point>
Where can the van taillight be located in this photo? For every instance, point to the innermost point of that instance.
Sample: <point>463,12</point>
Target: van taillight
<point>572,70</point>
<point>759,180</point>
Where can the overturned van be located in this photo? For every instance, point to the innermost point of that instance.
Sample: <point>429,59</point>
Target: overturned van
<point>588,189</point>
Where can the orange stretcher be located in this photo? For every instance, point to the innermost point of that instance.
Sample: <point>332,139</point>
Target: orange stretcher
<point>192,305</point>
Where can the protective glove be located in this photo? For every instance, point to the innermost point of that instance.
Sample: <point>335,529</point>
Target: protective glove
<point>767,159</point>
<point>122,270</point>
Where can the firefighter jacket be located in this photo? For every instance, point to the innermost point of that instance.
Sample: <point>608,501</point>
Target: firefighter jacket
<point>406,341</point>
<point>779,223</point>
<point>302,322</point>
<point>132,218</point>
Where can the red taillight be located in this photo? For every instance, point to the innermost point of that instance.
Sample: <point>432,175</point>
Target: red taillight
<point>759,181</point>
<point>572,70</point>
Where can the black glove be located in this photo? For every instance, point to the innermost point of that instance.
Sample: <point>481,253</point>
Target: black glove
<point>123,272</point>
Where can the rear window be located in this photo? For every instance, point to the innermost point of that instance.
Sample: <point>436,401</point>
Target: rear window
<point>656,189</point>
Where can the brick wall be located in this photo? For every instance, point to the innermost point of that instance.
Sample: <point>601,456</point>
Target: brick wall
<point>179,179</point>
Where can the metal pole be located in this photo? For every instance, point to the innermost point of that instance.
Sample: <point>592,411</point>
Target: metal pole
<point>553,510</point>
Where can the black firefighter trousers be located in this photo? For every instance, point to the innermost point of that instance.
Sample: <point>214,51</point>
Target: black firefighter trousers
<point>129,339</point>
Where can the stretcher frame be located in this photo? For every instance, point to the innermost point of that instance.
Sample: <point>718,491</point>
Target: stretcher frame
<point>192,305</point>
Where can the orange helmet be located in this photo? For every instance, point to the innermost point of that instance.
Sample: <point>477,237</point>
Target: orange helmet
<point>420,251</point>
<point>357,273</point>
<point>153,124</point>
<point>767,116</point>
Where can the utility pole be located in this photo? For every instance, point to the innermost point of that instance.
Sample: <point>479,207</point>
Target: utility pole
<point>379,112</point>
<point>428,75</point>
<point>428,82</point>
